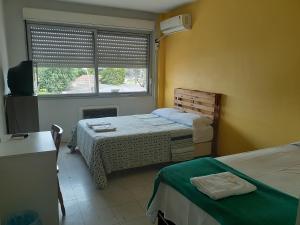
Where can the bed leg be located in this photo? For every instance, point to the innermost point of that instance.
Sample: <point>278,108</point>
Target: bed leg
<point>162,221</point>
<point>159,220</point>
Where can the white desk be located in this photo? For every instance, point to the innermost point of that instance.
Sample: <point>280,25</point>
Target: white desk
<point>28,178</point>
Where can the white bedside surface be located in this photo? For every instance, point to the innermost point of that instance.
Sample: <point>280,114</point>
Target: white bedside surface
<point>35,143</point>
<point>28,176</point>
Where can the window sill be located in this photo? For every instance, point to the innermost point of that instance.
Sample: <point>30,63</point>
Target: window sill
<point>98,95</point>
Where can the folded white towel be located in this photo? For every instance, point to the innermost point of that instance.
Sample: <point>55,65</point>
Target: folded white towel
<point>222,185</point>
<point>103,128</point>
<point>101,123</point>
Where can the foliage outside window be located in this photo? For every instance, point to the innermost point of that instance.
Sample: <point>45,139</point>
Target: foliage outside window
<point>53,80</point>
<point>68,60</point>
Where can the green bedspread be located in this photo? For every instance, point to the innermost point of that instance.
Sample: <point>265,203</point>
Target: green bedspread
<point>266,206</point>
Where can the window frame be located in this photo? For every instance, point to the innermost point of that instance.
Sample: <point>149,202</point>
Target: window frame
<point>150,70</point>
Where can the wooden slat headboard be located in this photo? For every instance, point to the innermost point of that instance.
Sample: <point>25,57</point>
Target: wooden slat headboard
<point>200,102</point>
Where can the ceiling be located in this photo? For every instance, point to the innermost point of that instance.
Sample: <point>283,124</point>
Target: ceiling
<point>155,6</point>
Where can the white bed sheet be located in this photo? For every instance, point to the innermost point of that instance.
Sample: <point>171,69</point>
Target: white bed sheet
<point>278,167</point>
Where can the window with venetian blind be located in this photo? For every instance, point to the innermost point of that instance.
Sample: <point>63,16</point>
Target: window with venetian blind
<point>82,60</point>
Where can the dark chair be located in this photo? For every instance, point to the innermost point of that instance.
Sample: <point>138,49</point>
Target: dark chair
<point>57,132</point>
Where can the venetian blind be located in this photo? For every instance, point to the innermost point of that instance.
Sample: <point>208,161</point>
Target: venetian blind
<point>122,50</point>
<point>61,46</point>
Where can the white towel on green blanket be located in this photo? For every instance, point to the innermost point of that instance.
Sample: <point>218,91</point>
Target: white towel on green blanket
<point>222,185</point>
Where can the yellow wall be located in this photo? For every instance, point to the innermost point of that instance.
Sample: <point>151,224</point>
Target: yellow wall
<point>161,69</point>
<point>250,52</point>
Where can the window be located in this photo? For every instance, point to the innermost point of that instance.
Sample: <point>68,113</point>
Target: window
<point>122,62</point>
<point>79,60</point>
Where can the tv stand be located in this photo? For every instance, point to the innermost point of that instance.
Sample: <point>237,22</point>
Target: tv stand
<point>22,114</point>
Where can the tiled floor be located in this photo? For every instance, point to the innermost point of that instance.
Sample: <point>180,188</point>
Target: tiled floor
<point>121,203</point>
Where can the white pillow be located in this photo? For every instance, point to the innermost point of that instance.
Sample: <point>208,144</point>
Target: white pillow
<point>165,112</point>
<point>191,119</point>
<point>202,121</point>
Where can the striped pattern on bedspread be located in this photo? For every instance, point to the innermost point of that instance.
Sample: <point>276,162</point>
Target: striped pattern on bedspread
<point>142,144</point>
<point>182,148</point>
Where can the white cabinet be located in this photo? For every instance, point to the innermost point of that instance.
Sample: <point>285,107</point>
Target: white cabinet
<point>28,178</point>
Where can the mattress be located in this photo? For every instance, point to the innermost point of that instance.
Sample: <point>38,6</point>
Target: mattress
<point>203,149</point>
<point>278,167</point>
<point>139,140</point>
<point>203,134</point>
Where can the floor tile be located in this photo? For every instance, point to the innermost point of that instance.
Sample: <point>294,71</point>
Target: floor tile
<point>98,216</point>
<point>141,191</point>
<point>67,192</point>
<point>123,202</point>
<point>73,214</point>
<point>143,202</point>
<point>128,212</point>
<point>138,221</point>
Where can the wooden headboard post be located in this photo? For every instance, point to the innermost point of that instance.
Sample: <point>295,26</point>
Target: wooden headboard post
<point>217,112</point>
<point>203,103</point>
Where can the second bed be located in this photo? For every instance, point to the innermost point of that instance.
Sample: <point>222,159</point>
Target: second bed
<point>165,135</point>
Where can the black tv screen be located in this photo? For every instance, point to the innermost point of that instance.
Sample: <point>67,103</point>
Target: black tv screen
<point>20,79</point>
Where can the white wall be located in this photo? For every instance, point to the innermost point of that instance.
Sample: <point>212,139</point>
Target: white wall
<point>65,111</point>
<point>3,68</point>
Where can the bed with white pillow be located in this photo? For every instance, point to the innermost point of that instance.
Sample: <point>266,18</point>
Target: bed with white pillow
<point>165,135</point>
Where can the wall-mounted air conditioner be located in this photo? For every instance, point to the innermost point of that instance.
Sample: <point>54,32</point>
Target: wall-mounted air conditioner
<point>175,24</point>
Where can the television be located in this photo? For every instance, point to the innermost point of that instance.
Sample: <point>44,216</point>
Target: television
<point>20,79</point>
